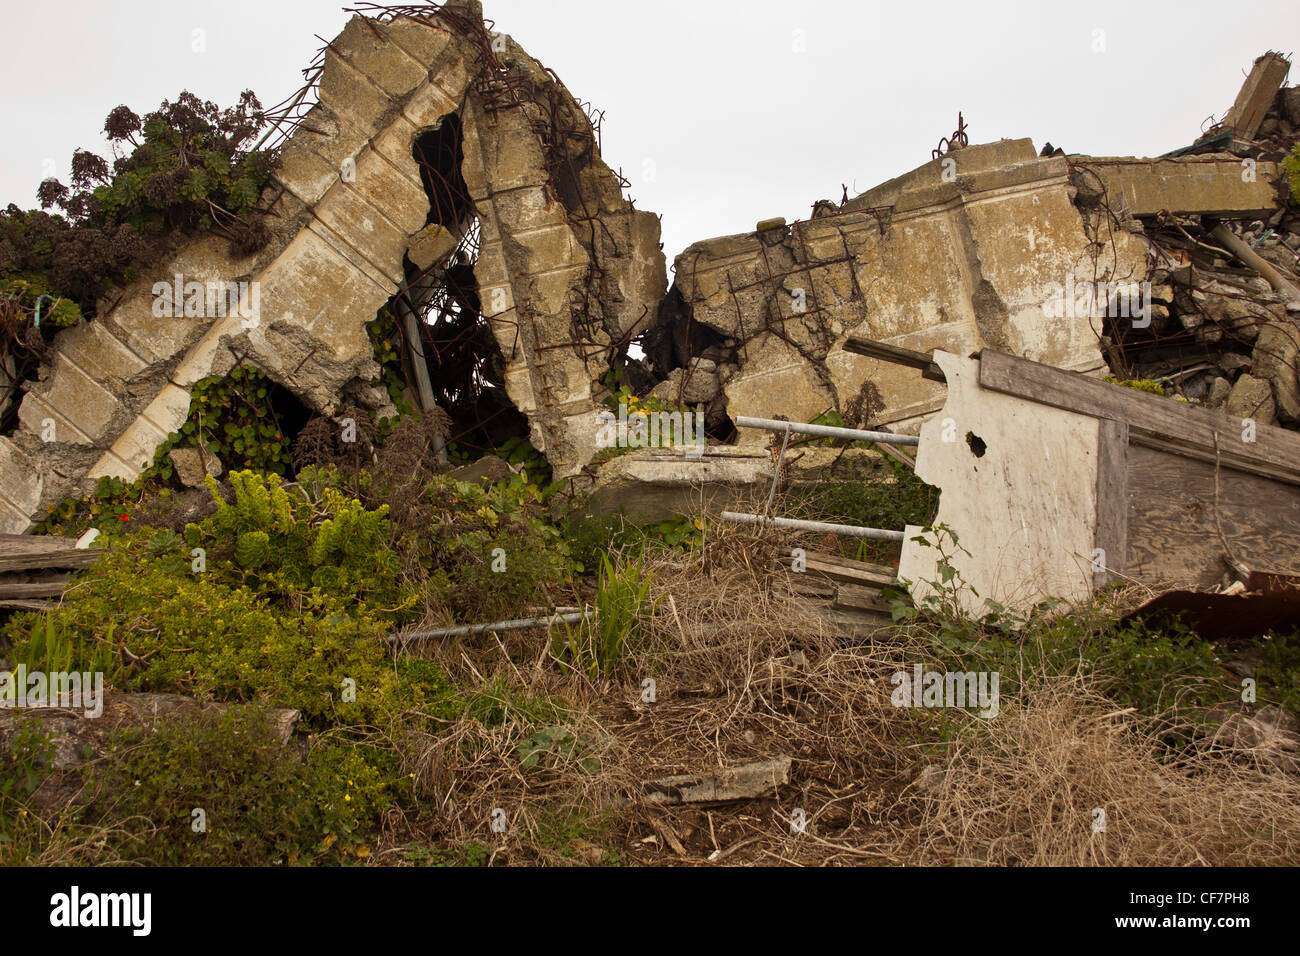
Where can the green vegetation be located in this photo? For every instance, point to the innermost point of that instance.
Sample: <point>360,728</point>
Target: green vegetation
<point>185,168</point>
<point>1138,385</point>
<point>257,806</point>
<point>1292,166</point>
<point>1164,670</point>
<point>623,604</point>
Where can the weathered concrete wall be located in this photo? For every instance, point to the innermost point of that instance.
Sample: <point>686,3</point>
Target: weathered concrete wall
<point>956,255</point>
<point>344,203</point>
<point>568,267</point>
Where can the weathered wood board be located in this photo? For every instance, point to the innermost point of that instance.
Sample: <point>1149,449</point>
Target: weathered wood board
<point>20,552</point>
<point>1174,535</point>
<point>1203,433</point>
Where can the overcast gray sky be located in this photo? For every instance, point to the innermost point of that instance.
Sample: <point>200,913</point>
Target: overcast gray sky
<point>720,112</point>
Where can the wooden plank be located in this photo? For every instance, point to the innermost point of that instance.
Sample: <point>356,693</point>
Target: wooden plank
<point>38,560</point>
<point>855,597</point>
<point>34,589</point>
<point>1174,523</point>
<point>897,355</point>
<point>11,605</point>
<point>852,572</point>
<point>1275,452</point>
<point>1112,500</point>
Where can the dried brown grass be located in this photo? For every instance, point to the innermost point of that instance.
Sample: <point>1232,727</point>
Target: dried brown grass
<point>744,671</point>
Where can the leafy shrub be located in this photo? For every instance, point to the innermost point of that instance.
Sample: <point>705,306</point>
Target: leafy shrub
<point>262,804</point>
<point>1292,166</point>
<point>321,556</point>
<point>233,417</point>
<point>490,553</point>
<point>195,635</point>
<point>189,166</point>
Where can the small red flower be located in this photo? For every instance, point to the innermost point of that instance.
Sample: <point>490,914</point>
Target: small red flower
<point>124,517</point>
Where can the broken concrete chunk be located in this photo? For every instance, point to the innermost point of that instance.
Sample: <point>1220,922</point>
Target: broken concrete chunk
<point>1217,396</point>
<point>1277,357</point>
<point>430,245</point>
<point>1256,95</point>
<point>1252,398</point>
<point>1203,185</point>
<point>190,468</point>
<point>486,471</point>
<point>736,783</point>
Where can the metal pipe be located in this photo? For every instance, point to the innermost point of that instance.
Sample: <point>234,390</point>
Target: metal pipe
<point>1238,247</point>
<point>826,431</point>
<point>470,630</point>
<point>791,524</point>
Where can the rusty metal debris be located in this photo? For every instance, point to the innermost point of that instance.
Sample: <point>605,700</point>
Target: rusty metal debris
<point>957,140</point>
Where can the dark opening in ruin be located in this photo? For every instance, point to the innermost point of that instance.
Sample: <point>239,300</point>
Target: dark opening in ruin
<point>22,348</point>
<point>439,313</point>
<point>439,154</point>
<point>978,448</point>
<point>673,342</point>
<point>245,418</point>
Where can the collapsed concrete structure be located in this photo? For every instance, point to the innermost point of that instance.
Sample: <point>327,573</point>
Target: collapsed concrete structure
<point>953,255</point>
<point>566,270</point>
<point>444,171</point>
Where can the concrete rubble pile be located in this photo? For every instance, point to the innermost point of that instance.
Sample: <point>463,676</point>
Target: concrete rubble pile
<point>973,250</point>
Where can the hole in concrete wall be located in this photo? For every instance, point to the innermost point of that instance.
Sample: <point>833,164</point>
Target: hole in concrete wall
<point>466,368</point>
<point>246,419</point>
<point>673,342</point>
<point>976,444</point>
<point>439,154</point>
<point>676,338</point>
<point>466,365</point>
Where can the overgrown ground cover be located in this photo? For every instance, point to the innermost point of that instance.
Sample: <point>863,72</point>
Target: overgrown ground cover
<point>534,747</point>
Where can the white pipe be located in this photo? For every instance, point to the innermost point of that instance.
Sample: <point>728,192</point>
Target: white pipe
<point>791,524</point>
<point>472,629</point>
<point>826,431</point>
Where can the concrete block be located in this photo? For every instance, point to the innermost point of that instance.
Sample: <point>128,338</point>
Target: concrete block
<point>1194,185</point>
<point>21,487</point>
<point>75,397</point>
<point>1256,95</point>
<point>351,94</point>
<point>425,43</point>
<point>386,64</point>
<point>92,347</point>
